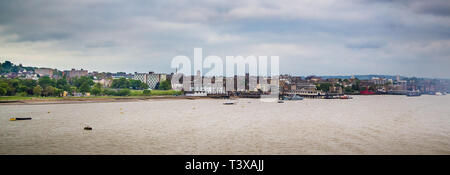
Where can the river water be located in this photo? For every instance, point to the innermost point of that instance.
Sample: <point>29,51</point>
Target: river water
<point>363,125</point>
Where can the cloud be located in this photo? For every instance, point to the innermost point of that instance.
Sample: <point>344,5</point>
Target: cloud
<point>310,36</point>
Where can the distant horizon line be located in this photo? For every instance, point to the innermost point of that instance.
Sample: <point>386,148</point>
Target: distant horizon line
<point>326,75</point>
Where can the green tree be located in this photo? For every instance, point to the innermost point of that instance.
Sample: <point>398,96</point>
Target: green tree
<point>68,88</point>
<point>84,79</point>
<point>22,94</point>
<point>97,89</point>
<point>85,87</point>
<point>72,89</point>
<point>348,89</point>
<point>14,83</point>
<point>7,66</point>
<point>109,92</point>
<point>164,85</point>
<point>135,84</point>
<point>46,81</point>
<point>61,83</point>
<point>58,92</point>
<point>120,83</point>
<point>22,88</point>
<point>3,88</point>
<point>37,91</point>
<point>27,85</point>
<point>146,92</point>
<point>144,86</point>
<point>48,91</point>
<point>355,85</point>
<point>124,92</point>
<point>323,86</point>
<point>3,91</point>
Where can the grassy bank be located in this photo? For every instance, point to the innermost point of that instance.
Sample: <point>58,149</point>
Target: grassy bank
<point>134,94</point>
<point>155,92</point>
<point>16,98</point>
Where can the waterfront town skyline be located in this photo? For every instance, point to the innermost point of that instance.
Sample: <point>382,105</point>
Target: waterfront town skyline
<point>341,76</point>
<point>248,84</point>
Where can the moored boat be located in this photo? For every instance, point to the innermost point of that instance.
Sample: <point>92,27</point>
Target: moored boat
<point>294,97</point>
<point>366,92</point>
<point>229,103</point>
<point>87,128</point>
<point>345,97</point>
<point>22,118</point>
<point>413,93</point>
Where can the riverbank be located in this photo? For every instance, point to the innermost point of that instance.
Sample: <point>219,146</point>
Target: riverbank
<point>15,100</point>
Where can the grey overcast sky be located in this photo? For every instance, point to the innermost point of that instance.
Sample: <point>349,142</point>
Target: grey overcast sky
<point>321,37</point>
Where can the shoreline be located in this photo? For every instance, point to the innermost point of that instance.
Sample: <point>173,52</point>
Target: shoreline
<point>75,100</point>
<point>109,99</point>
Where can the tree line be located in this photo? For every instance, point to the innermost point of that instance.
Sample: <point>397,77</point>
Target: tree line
<point>46,86</point>
<point>8,67</point>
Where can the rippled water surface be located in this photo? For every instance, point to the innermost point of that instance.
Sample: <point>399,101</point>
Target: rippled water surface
<point>363,125</point>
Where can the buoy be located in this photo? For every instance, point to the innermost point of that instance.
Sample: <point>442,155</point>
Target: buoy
<point>12,119</point>
<point>87,128</point>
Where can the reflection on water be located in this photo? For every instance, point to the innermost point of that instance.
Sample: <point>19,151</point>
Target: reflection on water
<point>363,125</point>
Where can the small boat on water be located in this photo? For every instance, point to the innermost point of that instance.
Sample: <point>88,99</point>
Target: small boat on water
<point>413,93</point>
<point>20,118</point>
<point>88,128</point>
<point>23,118</point>
<point>294,97</point>
<point>329,97</point>
<point>345,97</point>
<point>229,103</point>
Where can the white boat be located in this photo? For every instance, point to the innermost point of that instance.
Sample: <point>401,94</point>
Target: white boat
<point>294,97</point>
<point>197,94</point>
<point>413,93</point>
